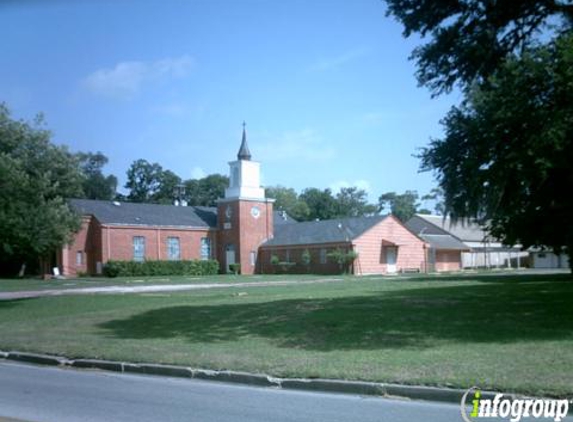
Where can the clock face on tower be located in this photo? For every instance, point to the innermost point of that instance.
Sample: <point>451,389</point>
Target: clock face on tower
<point>255,212</point>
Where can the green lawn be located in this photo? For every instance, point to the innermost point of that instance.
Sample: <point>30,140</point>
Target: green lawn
<point>513,333</point>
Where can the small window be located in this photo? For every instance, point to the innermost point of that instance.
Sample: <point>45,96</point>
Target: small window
<point>79,258</point>
<point>205,248</point>
<point>323,256</point>
<point>173,249</point>
<point>287,256</point>
<point>253,258</point>
<point>138,248</point>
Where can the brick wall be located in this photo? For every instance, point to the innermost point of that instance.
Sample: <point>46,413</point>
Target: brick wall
<point>100,243</point>
<point>293,254</point>
<point>371,247</point>
<point>448,260</point>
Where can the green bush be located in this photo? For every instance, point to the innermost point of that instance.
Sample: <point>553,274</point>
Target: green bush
<point>235,268</point>
<point>159,268</point>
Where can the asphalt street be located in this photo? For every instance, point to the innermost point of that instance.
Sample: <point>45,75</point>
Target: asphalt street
<point>38,394</point>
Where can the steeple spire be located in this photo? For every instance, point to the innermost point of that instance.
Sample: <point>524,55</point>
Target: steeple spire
<point>244,153</point>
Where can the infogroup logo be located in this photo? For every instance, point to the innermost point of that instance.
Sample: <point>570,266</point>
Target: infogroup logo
<point>511,408</point>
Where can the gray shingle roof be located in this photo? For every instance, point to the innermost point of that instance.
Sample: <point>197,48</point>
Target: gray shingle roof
<point>465,231</point>
<point>127,213</point>
<point>444,241</point>
<point>317,232</point>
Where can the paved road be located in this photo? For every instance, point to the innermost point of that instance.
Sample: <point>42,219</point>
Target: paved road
<point>34,393</point>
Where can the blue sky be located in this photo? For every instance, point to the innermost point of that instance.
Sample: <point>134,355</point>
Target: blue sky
<point>325,86</point>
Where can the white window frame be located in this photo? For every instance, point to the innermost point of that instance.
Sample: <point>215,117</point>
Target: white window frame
<point>205,248</point>
<point>139,248</point>
<point>173,248</point>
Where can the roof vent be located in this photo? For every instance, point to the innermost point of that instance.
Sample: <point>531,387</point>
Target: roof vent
<point>116,203</point>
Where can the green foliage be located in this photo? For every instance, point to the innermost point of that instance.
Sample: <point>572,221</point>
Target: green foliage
<point>403,206</point>
<point>507,152</point>
<point>160,268</point>
<point>275,260</point>
<point>206,191</point>
<point>35,177</point>
<point>321,204</point>
<point>470,39</point>
<point>286,199</point>
<point>344,258</point>
<point>235,268</point>
<point>353,202</point>
<point>95,185</point>
<point>306,258</point>
<point>148,182</point>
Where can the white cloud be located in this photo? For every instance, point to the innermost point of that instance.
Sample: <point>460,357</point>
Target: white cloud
<point>198,173</point>
<point>327,63</point>
<point>126,79</point>
<point>360,184</point>
<point>304,144</point>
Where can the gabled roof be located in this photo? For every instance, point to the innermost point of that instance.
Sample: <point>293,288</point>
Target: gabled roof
<point>128,213</point>
<point>326,231</point>
<point>465,231</point>
<point>444,241</point>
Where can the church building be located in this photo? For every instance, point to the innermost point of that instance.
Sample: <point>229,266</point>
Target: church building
<point>243,229</point>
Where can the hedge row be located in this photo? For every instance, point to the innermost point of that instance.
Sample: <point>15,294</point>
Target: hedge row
<point>151,268</point>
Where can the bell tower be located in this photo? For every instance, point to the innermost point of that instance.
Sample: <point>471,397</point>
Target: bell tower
<point>244,216</point>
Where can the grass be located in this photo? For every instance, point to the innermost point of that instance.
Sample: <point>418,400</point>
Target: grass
<point>511,333</point>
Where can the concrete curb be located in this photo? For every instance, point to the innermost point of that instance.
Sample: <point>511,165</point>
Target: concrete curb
<point>364,388</point>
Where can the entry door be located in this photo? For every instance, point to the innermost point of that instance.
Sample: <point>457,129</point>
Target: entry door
<point>391,253</point>
<point>230,256</point>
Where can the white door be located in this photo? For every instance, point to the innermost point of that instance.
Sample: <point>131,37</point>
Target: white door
<point>230,257</point>
<point>391,253</point>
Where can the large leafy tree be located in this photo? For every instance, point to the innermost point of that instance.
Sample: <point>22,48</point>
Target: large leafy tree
<point>35,178</point>
<point>403,206</point>
<point>206,191</point>
<point>353,202</point>
<point>516,175</point>
<point>505,159</point>
<point>95,184</point>
<point>288,200</point>
<point>321,204</point>
<point>143,181</point>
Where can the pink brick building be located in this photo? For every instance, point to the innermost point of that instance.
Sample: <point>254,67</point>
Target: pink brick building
<point>243,229</point>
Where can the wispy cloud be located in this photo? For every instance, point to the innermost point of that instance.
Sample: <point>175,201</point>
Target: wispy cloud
<point>304,144</point>
<point>333,62</point>
<point>198,173</point>
<point>360,184</point>
<point>126,79</point>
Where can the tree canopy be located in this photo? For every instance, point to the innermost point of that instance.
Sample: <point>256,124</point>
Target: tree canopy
<point>505,158</point>
<point>95,185</point>
<point>35,178</point>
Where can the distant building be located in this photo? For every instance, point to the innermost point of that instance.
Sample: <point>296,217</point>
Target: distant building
<point>467,243</point>
<point>243,229</point>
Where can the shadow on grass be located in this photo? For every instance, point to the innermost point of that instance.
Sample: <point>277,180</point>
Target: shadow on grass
<point>415,318</point>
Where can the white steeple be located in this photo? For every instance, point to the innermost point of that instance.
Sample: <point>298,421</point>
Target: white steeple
<point>245,175</point>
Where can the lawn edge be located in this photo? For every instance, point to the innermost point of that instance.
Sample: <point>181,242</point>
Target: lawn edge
<point>364,388</point>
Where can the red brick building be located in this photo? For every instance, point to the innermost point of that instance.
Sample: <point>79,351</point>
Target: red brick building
<point>243,229</point>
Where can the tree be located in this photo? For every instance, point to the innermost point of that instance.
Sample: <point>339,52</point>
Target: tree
<point>470,39</point>
<point>95,185</point>
<point>321,204</point>
<point>516,175</point>
<point>353,202</point>
<point>167,188</point>
<point>437,196</point>
<point>505,159</point>
<point>403,206</point>
<point>286,199</point>
<point>206,191</point>
<point>35,178</point>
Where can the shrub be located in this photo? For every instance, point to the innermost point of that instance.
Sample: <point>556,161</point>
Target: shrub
<point>343,259</point>
<point>235,268</point>
<point>159,268</point>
